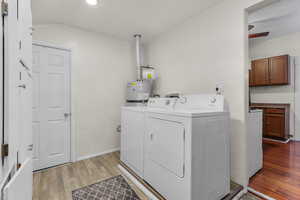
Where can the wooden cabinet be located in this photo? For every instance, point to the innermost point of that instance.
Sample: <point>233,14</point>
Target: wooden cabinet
<point>275,120</point>
<point>278,70</point>
<point>274,125</point>
<point>269,71</point>
<point>260,72</point>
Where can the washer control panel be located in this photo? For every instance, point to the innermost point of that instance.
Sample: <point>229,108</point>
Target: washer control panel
<point>162,103</point>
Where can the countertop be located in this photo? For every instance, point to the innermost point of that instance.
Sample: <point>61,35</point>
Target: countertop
<point>269,105</point>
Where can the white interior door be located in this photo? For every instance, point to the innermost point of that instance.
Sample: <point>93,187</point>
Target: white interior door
<point>17,104</point>
<point>51,106</point>
<point>20,186</point>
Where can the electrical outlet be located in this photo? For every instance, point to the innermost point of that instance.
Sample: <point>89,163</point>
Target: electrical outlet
<point>219,88</point>
<point>118,129</point>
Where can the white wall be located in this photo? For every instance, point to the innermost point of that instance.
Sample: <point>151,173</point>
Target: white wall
<point>208,49</point>
<point>101,67</point>
<point>287,44</point>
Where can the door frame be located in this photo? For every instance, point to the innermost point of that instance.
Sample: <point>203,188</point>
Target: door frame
<point>73,157</point>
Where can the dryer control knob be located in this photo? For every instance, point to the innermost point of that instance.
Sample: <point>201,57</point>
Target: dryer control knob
<point>213,100</point>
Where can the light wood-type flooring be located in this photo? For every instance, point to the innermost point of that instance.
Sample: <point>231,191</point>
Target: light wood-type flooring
<point>57,183</point>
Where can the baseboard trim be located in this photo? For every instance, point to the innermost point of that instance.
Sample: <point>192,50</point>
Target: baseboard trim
<point>279,141</point>
<point>147,192</point>
<point>296,140</point>
<point>259,194</point>
<point>240,194</point>
<point>97,154</point>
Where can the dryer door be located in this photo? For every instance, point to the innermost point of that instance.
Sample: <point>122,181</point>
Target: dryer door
<point>165,145</point>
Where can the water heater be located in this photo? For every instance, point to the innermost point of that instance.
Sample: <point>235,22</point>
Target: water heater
<point>140,90</point>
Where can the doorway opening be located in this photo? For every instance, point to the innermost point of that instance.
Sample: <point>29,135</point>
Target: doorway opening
<point>274,82</point>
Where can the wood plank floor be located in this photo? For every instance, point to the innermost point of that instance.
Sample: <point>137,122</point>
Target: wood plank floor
<point>280,176</point>
<point>58,183</point>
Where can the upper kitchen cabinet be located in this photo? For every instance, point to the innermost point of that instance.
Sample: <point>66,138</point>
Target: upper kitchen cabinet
<point>260,70</point>
<point>278,70</point>
<point>270,71</point>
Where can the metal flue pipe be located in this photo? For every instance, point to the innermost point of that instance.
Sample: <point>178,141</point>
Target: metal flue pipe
<point>138,55</point>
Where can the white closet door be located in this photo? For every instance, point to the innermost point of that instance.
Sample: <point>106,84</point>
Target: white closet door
<point>51,106</point>
<point>20,186</point>
<point>11,82</point>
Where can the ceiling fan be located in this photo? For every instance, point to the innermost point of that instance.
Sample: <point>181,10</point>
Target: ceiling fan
<point>256,35</point>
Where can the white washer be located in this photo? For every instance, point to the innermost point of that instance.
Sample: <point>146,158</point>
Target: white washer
<point>186,153</point>
<point>132,137</point>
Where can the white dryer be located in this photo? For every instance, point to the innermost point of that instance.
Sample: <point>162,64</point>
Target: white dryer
<point>186,153</point>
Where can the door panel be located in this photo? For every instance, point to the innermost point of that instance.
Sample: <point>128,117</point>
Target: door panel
<point>274,125</point>
<point>36,105</point>
<point>166,145</point>
<point>279,70</point>
<point>25,18</point>
<point>36,142</point>
<point>51,102</point>
<point>260,72</point>
<point>25,115</point>
<point>56,93</point>
<point>55,144</point>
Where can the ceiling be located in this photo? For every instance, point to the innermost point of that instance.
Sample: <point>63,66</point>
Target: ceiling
<point>279,18</point>
<point>121,18</point>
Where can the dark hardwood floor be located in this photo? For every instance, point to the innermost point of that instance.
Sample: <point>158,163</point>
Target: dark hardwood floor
<point>280,176</point>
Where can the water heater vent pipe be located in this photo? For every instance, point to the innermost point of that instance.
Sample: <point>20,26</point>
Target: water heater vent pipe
<point>138,55</point>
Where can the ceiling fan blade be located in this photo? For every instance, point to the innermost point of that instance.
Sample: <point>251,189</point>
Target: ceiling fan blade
<point>256,35</point>
<point>250,27</point>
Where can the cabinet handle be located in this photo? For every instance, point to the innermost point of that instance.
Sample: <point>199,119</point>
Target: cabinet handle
<point>22,86</point>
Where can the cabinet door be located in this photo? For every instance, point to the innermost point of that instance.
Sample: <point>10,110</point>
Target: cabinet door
<point>278,69</point>
<point>274,125</point>
<point>260,72</point>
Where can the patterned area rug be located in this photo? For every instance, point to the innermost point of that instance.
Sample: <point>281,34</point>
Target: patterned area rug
<point>114,188</point>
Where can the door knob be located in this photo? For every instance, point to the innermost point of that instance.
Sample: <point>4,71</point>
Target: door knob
<point>67,114</point>
<point>151,136</point>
